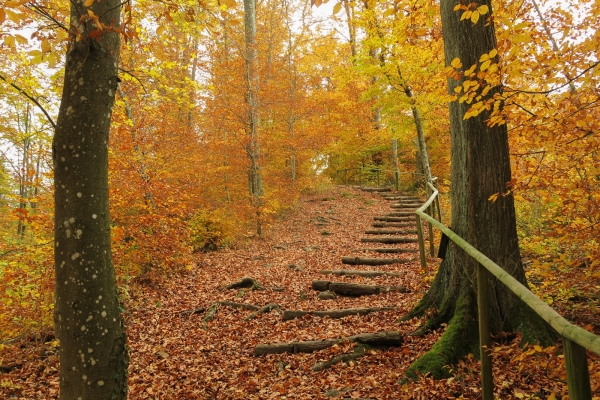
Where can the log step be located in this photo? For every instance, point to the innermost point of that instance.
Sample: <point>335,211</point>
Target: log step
<point>390,232</point>
<point>374,189</point>
<point>397,213</point>
<point>395,219</point>
<point>292,314</point>
<point>391,338</point>
<point>372,261</point>
<point>392,225</point>
<point>354,289</point>
<point>390,240</point>
<point>349,272</point>
<point>396,206</point>
<point>394,250</point>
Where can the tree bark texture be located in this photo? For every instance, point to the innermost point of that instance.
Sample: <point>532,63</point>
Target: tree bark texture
<point>480,168</point>
<point>93,355</point>
<point>255,183</point>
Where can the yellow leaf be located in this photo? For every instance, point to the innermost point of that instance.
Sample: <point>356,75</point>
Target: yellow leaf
<point>483,9</point>
<point>21,39</point>
<point>89,2</point>
<point>46,48</point>
<point>91,13</point>
<point>466,14</point>
<point>493,53</point>
<point>13,16</point>
<point>486,90</point>
<point>2,15</point>
<point>37,59</point>
<point>484,57</point>
<point>456,63</point>
<point>470,70</point>
<point>337,8</point>
<point>456,7</point>
<point>9,41</point>
<point>160,30</point>
<point>551,397</point>
<point>457,89</point>
<point>475,17</point>
<point>34,53</point>
<point>538,348</point>
<point>493,198</point>
<point>485,65</point>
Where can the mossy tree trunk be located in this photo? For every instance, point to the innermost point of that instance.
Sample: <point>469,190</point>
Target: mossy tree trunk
<point>480,168</point>
<point>93,354</point>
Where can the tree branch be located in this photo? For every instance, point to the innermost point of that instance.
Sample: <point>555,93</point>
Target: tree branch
<point>37,103</point>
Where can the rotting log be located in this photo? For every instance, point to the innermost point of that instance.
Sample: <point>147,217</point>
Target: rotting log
<point>245,283</point>
<point>268,308</point>
<point>394,250</point>
<point>345,358</point>
<point>292,314</point>
<point>389,240</point>
<point>370,261</point>
<point>384,339</point>
<point>354,289</point>
<point>212,310</point>
<point>368,274</point>
<point>243,306</point>
<point>390,232</point>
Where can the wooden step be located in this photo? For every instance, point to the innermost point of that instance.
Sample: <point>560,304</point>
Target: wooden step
<point>375,189</point>
<point>355,289</point>
<point>389,240</point>
<point>390,232</point>
<point>367,274</point>
<point>372,261</point>
<point>292,314</point>
<point>396,219</point>
<point>393,250</point>
<point>392,224</point>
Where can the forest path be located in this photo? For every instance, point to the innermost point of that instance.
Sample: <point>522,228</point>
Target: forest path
<point>186,356</point>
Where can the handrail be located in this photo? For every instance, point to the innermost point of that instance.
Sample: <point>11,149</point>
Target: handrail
<point>575,339</point>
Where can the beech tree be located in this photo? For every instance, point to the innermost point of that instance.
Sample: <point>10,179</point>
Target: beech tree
<point>483,211</point>
<point>93,355</point>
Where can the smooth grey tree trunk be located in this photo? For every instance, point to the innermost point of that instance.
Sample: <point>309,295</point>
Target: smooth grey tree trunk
<point>252,79</point>
<point>480,168</point>
<point>93,354</point>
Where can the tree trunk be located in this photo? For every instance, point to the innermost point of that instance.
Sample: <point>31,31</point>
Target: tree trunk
<point>480,168</point>
<point>254,174</point>
<point>93,355</point>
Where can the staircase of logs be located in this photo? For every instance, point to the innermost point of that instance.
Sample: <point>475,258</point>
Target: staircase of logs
<point>394,233</point>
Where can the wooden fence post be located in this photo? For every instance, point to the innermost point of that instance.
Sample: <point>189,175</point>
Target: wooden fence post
<point>421,243</point>
<point>578,376</point>
<point>397,179</point>
<point>483,305</point>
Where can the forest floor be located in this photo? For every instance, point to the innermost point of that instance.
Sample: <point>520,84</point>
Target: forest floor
<point>176,354</point>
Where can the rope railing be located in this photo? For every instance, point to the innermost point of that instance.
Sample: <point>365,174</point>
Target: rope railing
<point>575,339</point>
